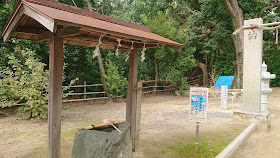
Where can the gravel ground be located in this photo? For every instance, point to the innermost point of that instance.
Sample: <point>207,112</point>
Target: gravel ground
<point>164,121</point>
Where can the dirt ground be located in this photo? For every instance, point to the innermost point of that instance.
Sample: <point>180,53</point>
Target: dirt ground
<point>164,122</point>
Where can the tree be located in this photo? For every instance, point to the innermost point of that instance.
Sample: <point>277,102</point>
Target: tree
<point>236,15</point>
<point>100,63</point>
<point>237,11</point>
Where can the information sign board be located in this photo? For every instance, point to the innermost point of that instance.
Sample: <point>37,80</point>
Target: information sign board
<point>199,101</point>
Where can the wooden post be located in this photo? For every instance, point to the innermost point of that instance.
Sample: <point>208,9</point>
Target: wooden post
<point>55,95</point>
<point>196,138</point>
<point>131,99</point>
<point>85,89</point>
<point>138,115</point>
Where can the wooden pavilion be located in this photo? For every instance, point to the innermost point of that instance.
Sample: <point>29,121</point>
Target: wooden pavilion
<point>58,24</point>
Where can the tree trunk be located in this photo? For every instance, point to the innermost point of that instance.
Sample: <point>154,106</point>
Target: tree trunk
<point>79,74</point>
<point>203,67</point>
<point>103,80</point>
<point>100,63</point>
<point>236,15</point>
<point>80,65</point>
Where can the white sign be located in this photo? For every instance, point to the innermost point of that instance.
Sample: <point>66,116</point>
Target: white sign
<point>224,96</point>
<point>198,102</point>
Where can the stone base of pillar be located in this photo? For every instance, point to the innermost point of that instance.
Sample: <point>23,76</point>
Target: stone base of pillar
<point>263,117</point>
<point>264,107</point>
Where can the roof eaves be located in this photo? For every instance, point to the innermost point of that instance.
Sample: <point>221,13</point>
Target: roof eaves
<point>83,12</point>
<point>41,17</point>
<point>11,17</point>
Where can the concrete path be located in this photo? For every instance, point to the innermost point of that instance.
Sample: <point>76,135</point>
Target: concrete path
<point>263,144</point>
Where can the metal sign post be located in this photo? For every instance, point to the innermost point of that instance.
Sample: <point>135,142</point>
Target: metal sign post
<point>198,111</point>
<point>196,137</point>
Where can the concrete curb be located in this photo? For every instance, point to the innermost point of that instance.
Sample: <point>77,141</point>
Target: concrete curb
<point>237,142</point>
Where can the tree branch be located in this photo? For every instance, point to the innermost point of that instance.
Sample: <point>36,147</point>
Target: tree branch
<point>275,4</point>
<point>89,5</point>
<point>229,8</point>
<point>74,3</point>
<point>189,9</point>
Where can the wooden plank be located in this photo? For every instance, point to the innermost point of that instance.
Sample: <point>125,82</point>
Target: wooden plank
<point>55,95</point>
<point>73,100</point>
<point>138,116</point>
<point>131,101</point>
<point>13,24</point>
<point>96,39</point>
<point>45,21</point>
<point>120,35</point>
<point>87,93</point>
<point>148,92</point>
<point>68,31</point>
<point>28,30</point>
<point>83,85</point>
<point>85,90</point>
<point>87,13</point>
<point>44,35</point>
<point>62,32</point>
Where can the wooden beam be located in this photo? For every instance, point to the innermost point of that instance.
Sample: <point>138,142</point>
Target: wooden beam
<point>55,95</point>
<point>131,101</point>
<point>112,42</point>
<point>147,45</point>
<point>68,31</point>
<point>43,20</point>
<point>95,39</point>
<point>28,30</point>
<point>174,47</point>
<point>44,35</point>
<point>12,25</point>
<point>117,34</point>
<point>62,32</point>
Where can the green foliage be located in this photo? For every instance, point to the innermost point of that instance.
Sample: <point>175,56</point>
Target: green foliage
<point>116,83</point>
<point>171,63</point>
<point>271,58</point>
<point>26,81</point>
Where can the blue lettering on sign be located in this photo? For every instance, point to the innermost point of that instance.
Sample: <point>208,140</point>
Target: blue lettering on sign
<point>198,103</point>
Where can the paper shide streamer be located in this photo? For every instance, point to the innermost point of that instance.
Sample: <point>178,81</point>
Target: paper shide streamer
<point>119,45</point>
<point>97,51</point>
<point>143,53</point>
<point>131,48</point>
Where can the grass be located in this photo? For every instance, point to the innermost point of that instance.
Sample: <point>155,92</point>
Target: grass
<point>209,146</point>
<point>67,140</point>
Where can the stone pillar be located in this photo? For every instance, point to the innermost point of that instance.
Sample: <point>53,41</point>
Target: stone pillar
<point>224,96</point>
<point>252,65</point>
<point>266,77</point>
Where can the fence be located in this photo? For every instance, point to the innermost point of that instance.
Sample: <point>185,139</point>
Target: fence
<point>85,93</point>
<point>151,86</point>
<point>154,86</point>
<point>195,80</point>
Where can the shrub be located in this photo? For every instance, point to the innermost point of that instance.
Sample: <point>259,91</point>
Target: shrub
<point>116,83</point>
<point>25,81</point>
